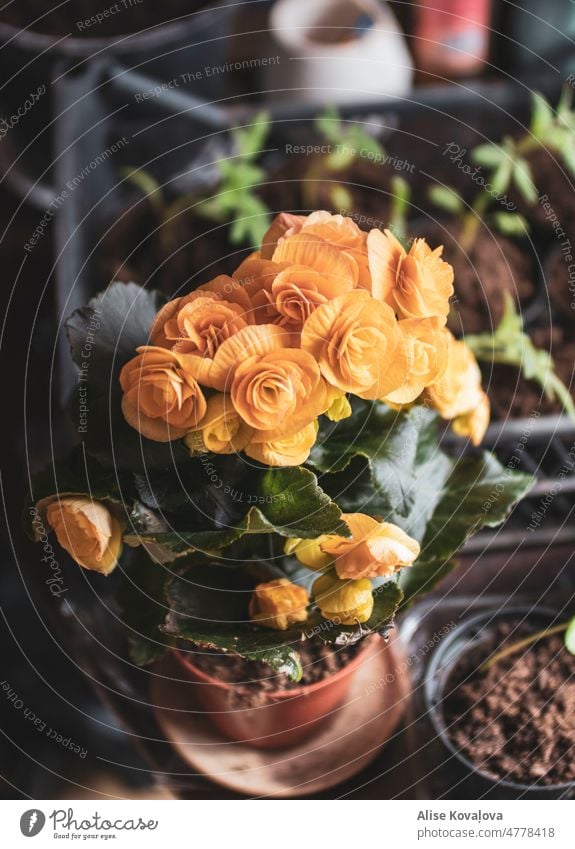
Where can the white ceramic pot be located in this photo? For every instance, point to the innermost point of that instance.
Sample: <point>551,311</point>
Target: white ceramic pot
<point>337,51</point>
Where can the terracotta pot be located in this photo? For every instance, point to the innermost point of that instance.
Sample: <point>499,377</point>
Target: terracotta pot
<point>279,718</point>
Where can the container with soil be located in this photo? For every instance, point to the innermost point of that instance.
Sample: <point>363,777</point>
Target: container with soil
<point>340,165</point>
<point>248,702</point>
<point>501,701</point>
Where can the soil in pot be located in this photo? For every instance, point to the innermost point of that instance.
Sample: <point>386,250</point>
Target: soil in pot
<point>551,177</point>
<point>302,188</point>
<point>96,18</point>
<point>253,679</point>
<point>516,720</point>
<point>560,282</point>
<point>492,266</point>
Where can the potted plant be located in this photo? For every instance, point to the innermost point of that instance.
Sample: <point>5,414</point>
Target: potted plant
<point>259,466</point>
<point>497,692</point>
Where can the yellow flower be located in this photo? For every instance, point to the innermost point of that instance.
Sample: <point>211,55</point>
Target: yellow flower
<point>162,398</point>
<point>374,549</point>
<point>339,407</point>
<point>426,345</point>
<point>222,430</point>
<point>417,284</point>
<point>87,531</point>
<point>475,422</point>
<point>278,604</point>
<point>356,341</point>
<point>344,602</point>
<point>458,394</point>
<point>309,552</point>
<point>291,450</point>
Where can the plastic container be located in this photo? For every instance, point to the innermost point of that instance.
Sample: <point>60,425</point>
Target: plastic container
<point>467,778</point>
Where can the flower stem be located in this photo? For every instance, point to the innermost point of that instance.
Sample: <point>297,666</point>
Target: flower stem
<point>521,644</point>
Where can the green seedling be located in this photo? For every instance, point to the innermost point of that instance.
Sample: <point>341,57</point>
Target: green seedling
<point>347,142</point>
<point>235,202</point>
<point>510,345</point>
<point>567,628</point>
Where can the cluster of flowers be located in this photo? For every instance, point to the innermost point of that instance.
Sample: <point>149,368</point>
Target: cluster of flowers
<point>343,591</point>
<point>249,362</point>
<point>89,532</point>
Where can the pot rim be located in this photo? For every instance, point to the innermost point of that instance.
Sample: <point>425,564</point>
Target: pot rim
<point>72,46</point>
<point>303,690</point>
<point>435,712</point>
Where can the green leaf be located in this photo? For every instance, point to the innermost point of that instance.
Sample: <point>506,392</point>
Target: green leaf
<point>389,465</point>
<point>488,155</point>
<point>251,139</point>
<point>568,154</point>
<point>446,199</point>
<point>328,124</point>
<point>523,179</point>
<point>209,608</point>
<point>510,223</point>
<point>104,335</point>
<point>510,345</point>
<point>570,637</point>
<point>286,501</point>
<point>542,116</point>
<point>400,198</point>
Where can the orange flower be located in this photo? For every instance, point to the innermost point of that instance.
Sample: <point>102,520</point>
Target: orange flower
<point>168,328</point>
<point>87,531</point>
<point>222,430</point>
<point>278,604</point>
<point>278,392</point>
<point>292,450</point>
<point>297,291</point>
<point>313,252</point>
<point>356,342</point>
<point>475,422</point>
<point>203,323</point>
<point>162,398</point>
<point>375,548</point>
<point>283,224</point>
<point>417,284</point>
<point>426,345</point>
<point>256,276</point>
<point>459,388</point>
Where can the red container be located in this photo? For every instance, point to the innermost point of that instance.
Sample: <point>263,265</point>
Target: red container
<point>451,39</point>
<point>279,718</point>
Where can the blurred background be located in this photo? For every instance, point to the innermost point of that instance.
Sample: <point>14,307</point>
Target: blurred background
<point>114,119</point>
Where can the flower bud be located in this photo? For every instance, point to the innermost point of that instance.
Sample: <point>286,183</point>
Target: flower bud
<point>87,531</point>
<point>345,602</point>
<point>278,604</point>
